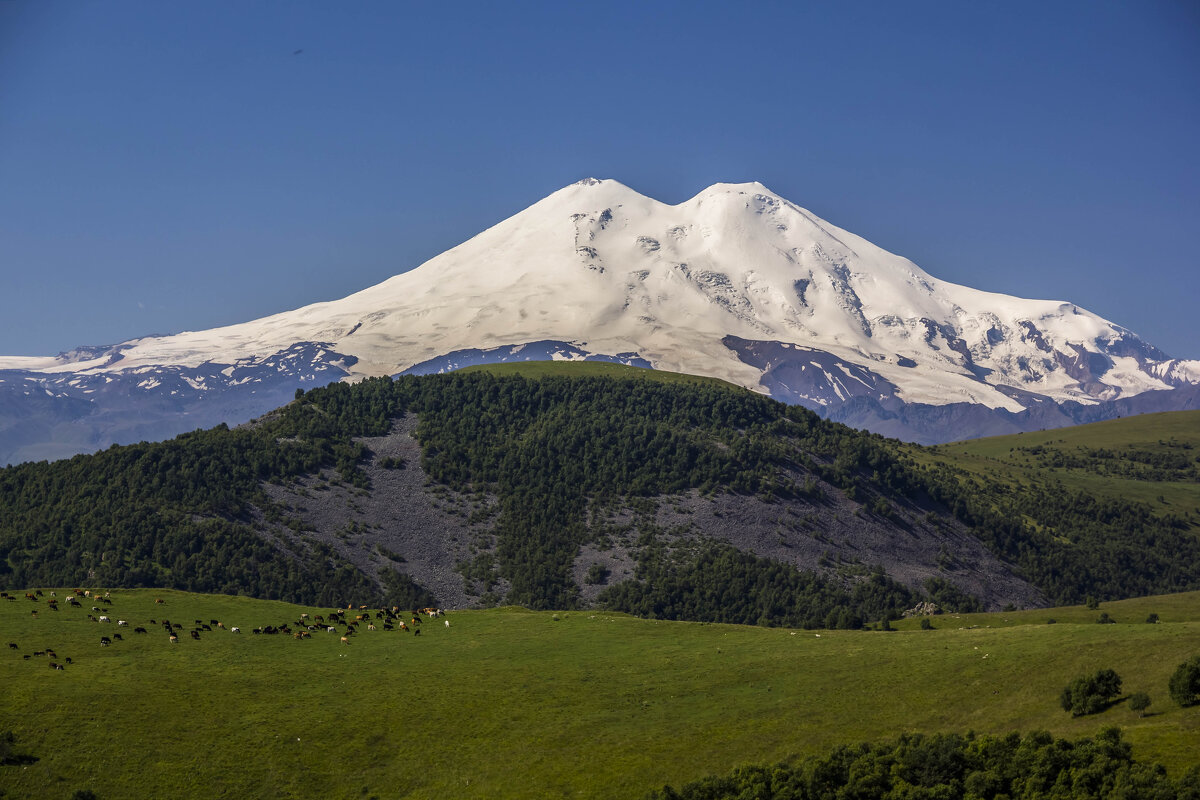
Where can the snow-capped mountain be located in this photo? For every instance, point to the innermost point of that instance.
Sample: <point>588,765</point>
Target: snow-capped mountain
<point>735,283</point>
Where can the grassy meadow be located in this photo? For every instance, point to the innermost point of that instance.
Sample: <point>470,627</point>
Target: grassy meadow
<point>513,703</point>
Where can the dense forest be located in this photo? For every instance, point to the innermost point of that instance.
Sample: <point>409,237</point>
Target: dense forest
<point>188,513</point>
<point>952,766</point>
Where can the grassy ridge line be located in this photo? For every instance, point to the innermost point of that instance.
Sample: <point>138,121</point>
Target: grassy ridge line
<point>1004,458</point>
<point>512,703</point>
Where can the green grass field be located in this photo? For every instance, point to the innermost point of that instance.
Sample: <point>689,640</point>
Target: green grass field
<point>512,703</point>
<point>1008,460</point>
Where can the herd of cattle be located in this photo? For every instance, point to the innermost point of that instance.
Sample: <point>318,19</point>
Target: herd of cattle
<point>344,623</point>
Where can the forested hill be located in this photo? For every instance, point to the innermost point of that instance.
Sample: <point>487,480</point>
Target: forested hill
<point>669,499</point>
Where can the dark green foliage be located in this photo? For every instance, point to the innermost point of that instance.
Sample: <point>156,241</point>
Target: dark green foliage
<point>1152,619</point>
<point>949,598</point>
<point>1105,619</point>
<point>724,584</point>
<point>1139,701</point>
<point>948,766</point>
<point>1070,544</point>
<point>1184,684</point>
<point>926,624</point>
<point>596,574</point>
<point>88,794</point>
<point>392,463</point>
<point>1091,694</point>
<point>401,590</point>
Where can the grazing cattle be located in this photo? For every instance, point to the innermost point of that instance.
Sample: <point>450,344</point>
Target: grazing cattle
<point>174,639</point>
<point>28,596</point>
<point>122,623</point>
<point>206,627</point>
<point>139,630</point>
<point>67,659</point>
<point>117,636</point>
<point>104,618</point>
<point>235,630</point>
<point>157,600</point>
<point>221,625</point>
<point>13,645</point>
<point>416,631</point>
<point>331,629</point>
<point>26,656</point>
<point>213,622</point>
<point>51,654</point>
<point>403,627</point>
<point>38,592</point>
<point>196,635</point>
<point>105,641</point>
<point>447,623</point>
<point>345,640</point>
<point>55,665</point>
<point>371,626</point>
<point>39,652</point>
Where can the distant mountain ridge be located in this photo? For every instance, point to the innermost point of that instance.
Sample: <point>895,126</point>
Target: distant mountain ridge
<point>736,283</point>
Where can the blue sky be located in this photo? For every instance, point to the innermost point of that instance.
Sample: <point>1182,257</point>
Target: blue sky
<point>176,166</point>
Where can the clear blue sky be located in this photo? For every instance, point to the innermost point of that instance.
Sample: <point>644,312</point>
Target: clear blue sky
<point>167,166</point>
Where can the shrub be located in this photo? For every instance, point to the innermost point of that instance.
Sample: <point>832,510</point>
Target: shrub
<point>1184,685</point>
<point>1090,694</point>
<point>596,574</point>
<point>1139,702</point>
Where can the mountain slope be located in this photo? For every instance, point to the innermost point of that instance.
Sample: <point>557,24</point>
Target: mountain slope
<point>669,499</point>
<point>735,283</point>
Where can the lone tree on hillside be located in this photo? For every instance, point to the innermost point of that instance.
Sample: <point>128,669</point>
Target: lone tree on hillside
<point>1185,683</point>
<point>1139,702</point>
<point>1090,694</point>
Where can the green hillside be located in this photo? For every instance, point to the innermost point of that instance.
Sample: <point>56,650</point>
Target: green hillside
<point>1151,458</point>
<point>514,703</point>
<point>547,463</point>
<point>1110,509</point>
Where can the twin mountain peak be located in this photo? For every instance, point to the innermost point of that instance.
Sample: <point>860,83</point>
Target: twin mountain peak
<point>736,283</point>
